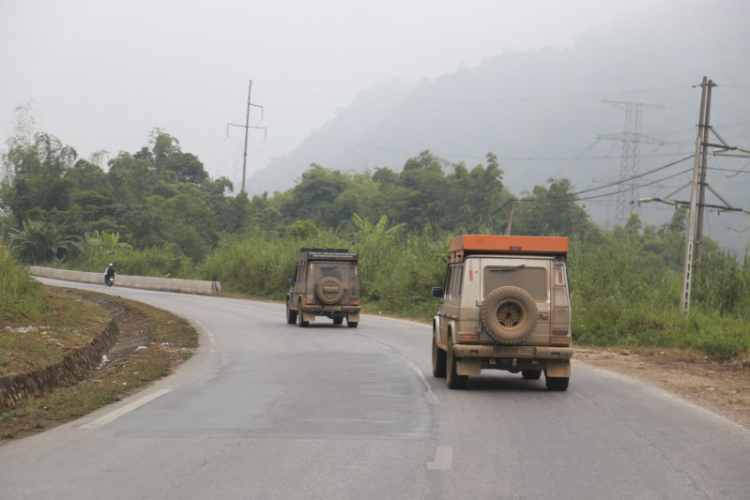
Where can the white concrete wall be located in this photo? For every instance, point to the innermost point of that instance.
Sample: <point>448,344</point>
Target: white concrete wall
<point>145,282</point>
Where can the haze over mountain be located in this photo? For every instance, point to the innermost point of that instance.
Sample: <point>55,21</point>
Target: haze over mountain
<point>562,113</point>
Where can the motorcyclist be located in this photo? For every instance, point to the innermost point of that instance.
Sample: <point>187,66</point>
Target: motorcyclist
<point>109,274</point>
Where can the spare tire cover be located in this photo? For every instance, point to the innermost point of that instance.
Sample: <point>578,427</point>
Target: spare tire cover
<point>509,314</point>
<point>330,290</point>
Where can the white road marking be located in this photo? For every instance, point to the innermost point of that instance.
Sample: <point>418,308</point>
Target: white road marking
<point>109,417</point>
<point>443,459</point>
<point>431,397</point>
<point>208,332</point>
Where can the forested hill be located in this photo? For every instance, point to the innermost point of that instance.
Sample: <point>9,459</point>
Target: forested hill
<point>559,113</point>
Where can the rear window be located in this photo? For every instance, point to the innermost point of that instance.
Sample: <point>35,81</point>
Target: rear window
<point>532,279</point>
<point>336,270</point>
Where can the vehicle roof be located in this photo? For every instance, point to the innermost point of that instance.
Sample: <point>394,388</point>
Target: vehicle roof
<point>468,244</point>
<point>507,256</point>
<point>342,254</point>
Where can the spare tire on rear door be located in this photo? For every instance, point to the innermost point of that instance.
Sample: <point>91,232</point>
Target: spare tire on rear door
<point>508,314</point>
<point>330,290</point>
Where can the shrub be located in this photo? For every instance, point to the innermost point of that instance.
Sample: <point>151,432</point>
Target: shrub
<point>20,294</point>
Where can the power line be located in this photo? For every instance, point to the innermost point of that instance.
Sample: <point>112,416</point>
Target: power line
<point>637,176</point>
<point>465,156</point>
<point>573,196</point>
<point>743,171</point>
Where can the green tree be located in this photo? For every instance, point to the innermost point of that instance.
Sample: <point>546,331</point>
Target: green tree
<point>313,196</point>
<point>132,178</point>
<point>92,193</point>
<point>476,196</point>
<point>36,175</point>
<point>423,191</point>
<point>367,230</point>
<point>302,229</point>
<point>39,242</point>
<point>552,210</point>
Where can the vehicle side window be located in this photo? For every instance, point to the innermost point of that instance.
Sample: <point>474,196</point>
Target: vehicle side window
<point>453,281</point>
<point>447,284</point>
<point>459,273</point>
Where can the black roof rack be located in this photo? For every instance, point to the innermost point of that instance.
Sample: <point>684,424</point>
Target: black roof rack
<point>326,254</point>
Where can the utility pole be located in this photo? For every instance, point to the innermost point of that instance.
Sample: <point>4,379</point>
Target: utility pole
<point>247,128</point>
<point>704,166</point>
<point>631,139</point>
<point>697,203</point>
<point>510,217</point>
<point>687,274</point>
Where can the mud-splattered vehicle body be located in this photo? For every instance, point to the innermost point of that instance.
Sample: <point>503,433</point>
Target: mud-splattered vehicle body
<point>504,305</point>
<point>326,283</point>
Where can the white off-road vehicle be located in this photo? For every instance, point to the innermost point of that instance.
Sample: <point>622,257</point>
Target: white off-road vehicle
<point>505,305</point>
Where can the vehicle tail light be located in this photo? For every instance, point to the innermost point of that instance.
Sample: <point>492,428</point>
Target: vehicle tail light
<point>562,340</point>
<point>468,338</point>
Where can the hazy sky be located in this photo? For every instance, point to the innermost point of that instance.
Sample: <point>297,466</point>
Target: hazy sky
<point>102,74</point>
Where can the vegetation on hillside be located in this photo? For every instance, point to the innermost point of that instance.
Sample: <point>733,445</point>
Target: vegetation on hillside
<point>157,212</point>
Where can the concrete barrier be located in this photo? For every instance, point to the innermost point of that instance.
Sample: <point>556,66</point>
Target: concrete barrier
<point>144,282</point>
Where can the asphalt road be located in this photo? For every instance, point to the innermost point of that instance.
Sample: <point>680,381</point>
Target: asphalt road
<point>267,410</point>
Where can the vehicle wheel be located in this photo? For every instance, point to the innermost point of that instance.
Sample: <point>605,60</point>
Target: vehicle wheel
<point>439,360</point>
<point>351,324</point>
<point>329,290</point>
<point>455,381</point>
<point>531,374</point>
<point>557,383</point>
<point>299,316</point>
<point>338,321</point>
<point>509,314</point>
<point>291,316</point>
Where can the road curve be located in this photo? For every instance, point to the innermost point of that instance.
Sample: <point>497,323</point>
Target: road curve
<point>267,410</point>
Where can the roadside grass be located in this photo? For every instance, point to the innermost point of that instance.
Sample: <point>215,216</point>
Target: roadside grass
<point>34,341</point>
<point>20,294</point>
<point>172,341</point>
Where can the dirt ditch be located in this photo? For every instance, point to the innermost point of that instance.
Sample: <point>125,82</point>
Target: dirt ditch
<point>723,388</point>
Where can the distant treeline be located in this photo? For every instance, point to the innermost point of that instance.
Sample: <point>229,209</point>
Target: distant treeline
<point>156,212</point>
<point>161,197</point>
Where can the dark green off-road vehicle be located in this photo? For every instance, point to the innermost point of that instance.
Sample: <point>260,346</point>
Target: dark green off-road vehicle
<point>326,284</point>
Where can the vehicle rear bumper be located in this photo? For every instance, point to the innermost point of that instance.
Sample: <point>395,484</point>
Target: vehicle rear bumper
<point>513,352</point>
<point>351,313</point>
<point>321,309</point>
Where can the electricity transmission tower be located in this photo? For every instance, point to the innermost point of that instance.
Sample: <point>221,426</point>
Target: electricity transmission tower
<point>631,138</point>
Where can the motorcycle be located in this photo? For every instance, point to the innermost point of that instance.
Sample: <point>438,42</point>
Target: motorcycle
<point>109,280</point>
